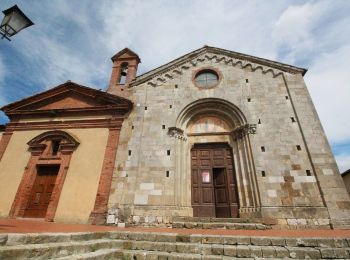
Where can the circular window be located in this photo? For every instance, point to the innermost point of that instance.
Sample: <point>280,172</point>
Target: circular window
<point>206,79</point>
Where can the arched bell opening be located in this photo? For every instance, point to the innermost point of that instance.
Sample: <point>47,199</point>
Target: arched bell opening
<point>123,73</point>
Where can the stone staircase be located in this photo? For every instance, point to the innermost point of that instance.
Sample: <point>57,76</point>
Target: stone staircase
<point>219,223</point>
<point>140,245</point>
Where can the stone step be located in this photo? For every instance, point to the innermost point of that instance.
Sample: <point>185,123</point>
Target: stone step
<point>41,238</point>
<point>208,219</point>
<point>341,224</point>
<point>98,255</point>
<point>38,238</point>
<point>56,249</point>
<point>229,252</point>
<point>136,254</point>
<point>220,225</point>
<point>186,246</point>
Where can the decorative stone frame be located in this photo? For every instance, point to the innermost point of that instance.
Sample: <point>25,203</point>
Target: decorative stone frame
<point>205,69</point>
<point>238,138</point>
<point>37,147</point>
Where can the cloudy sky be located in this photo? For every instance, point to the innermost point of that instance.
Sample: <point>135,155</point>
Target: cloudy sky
<point>74,40</point>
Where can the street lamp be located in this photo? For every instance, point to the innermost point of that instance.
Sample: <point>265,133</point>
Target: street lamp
<point>14,21</point>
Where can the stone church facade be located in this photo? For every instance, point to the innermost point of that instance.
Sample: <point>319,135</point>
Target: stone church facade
<point>214,133</point>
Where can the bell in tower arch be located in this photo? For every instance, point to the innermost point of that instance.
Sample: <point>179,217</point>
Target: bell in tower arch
<point>124,71</point>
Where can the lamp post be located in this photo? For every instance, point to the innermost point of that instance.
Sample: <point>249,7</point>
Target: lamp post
<point>13,21</point>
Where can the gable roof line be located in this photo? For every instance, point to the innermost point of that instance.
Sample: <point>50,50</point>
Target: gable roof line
<point>345,173</point>
<point>115,56</point>
<point>183,59</point>
<point>69,85</point>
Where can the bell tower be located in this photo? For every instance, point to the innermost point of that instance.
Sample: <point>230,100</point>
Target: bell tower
<point>124,71</point>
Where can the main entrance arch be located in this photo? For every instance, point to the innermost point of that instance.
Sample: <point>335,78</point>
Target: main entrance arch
<point>214,164</point>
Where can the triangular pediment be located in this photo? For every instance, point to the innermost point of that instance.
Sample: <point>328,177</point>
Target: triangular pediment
<point>67,96</point>
<point>66,100</point>
<point>176,67</point>
<point>126,53</point>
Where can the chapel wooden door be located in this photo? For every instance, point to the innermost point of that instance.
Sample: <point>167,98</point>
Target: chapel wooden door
<point>41,192</point>
<point>214,189</point>
<point>222,204</point>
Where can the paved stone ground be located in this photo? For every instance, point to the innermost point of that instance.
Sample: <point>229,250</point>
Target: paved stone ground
<point>39,226</point>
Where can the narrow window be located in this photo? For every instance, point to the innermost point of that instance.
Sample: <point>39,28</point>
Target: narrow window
<point>263,148</point>
<point>55,146</point>
<point>171,106</point>
<point>259,122</point>
<point>145,108</point>
<point>263,173</point>
<point>175,85</point>
<point>132,127</point>
<point>293,119</point>
<point>168,152</point>
<point>246,80</point>
<point>123,73</point>
<point>248,99</point>
<point>298,147</point>
<point>167,174</point>
<point>287,97</point>
<point>308,172</point>
<point>129,152</point>
<point>163,126</point>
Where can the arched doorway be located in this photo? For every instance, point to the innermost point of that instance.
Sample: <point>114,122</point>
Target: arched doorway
<point>215,166</point>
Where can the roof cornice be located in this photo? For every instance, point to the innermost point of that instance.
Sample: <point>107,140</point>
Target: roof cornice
<point>218,51</point>
<point>15,107</point>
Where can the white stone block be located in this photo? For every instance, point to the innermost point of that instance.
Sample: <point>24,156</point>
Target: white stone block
<point>110,219</point>
<point>302,221</point>
<point>319,160</point>
<point>272,193</point>
<point>276,179</point>
<point>295,173</point>
<point>123,174</point>
<point>121,225</point>
<point>141,199</point>
<point>136,219</point>
<point>159,219</point>
<point>156,192</point>
<point>323,221</point>
<point>151,219</point>
<point>305,179</point>
<point>328,172</point>
<point>292,221</point>
<point>147,186</point>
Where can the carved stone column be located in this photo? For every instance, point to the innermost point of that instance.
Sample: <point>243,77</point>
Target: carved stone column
<point>245,170</point>
<point>180,184</point>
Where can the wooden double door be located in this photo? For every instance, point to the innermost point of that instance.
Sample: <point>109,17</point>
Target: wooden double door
<point>214,189</point>
<point>41,191</point>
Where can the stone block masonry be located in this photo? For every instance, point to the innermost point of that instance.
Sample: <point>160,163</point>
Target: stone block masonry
<point>283,169</point>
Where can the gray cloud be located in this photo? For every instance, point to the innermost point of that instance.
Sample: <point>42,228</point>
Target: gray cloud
<point>75,39</point>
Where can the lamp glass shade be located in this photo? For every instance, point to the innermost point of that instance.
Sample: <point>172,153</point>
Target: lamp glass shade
<point>14,21</point>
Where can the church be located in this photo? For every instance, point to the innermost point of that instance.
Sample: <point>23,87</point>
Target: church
<point>212,134</point>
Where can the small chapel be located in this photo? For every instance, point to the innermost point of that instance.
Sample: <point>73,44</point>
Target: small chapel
<point>214,134</point>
